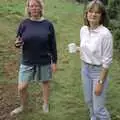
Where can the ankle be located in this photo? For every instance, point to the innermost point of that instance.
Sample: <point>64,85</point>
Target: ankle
<point>45,108</point>
<point>45,103</point>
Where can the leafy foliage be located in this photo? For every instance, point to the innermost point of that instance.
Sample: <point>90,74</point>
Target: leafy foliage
<point>114,14</point>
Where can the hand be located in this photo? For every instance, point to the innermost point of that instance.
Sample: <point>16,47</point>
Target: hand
<point>18,43</point>
<point>77,49</point>
<point>98,89</point>
<point>54,68</point>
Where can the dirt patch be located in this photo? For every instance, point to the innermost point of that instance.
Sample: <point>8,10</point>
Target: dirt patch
<point>11,63</point>
<point>8,100</point>
<point>10,57</point>
<point>11,70</point>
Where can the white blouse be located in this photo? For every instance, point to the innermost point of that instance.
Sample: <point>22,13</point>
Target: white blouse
<point>96,46</point>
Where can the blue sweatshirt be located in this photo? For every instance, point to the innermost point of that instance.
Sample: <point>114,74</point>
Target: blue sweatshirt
<point>39,46</point>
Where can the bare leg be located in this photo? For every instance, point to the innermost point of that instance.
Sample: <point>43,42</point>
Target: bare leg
<point>45,87</point>
<point>22,89</point>
<point>45,96</point>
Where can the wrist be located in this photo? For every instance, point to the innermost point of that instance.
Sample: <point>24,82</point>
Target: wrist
<point>101,82</point>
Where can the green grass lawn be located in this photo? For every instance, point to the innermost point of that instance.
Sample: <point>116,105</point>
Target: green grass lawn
<point>66,99</point>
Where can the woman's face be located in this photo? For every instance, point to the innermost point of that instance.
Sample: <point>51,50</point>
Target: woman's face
<point>34,8</point>
<point>94,16</point>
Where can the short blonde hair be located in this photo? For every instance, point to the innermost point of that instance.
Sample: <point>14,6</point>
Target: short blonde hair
<point>100,7</point>
<point>40,2</point>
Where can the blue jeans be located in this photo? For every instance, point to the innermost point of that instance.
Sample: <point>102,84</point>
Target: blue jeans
<point>96,104</point>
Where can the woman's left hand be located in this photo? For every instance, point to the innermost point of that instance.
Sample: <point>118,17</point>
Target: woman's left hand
<point>54,67</point>
<point>98,89</point>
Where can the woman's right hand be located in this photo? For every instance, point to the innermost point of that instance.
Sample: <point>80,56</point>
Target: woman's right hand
<point>18,43</point>
<point>78,49</point>
<point>98,89</point>
<point>54,67</point>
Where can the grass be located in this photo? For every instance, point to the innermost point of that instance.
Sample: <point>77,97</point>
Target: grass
<point>66,99</point>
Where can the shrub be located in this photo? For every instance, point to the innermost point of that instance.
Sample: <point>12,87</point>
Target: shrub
<point>114,14</point>
<point>114,7</point>
<point>117,38</point>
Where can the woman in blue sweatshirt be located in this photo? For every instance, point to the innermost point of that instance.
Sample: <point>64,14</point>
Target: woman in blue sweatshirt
<point>36,38</point>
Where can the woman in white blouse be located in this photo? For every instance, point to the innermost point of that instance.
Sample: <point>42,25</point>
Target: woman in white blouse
<point>96,49</point>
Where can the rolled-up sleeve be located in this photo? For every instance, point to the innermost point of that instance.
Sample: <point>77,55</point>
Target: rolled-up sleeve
<point>107,49</point>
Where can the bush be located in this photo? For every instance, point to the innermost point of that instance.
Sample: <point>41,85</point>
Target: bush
<point>114,15</point>
<point>114,8</point>
<point>116,35</point>
<point>114,24</point>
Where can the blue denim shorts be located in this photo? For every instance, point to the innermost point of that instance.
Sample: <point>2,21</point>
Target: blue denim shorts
<point>34,72</point>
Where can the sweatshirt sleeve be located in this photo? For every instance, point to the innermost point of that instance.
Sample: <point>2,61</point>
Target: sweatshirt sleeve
<point>52,44</point>
<point>20,29</point>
